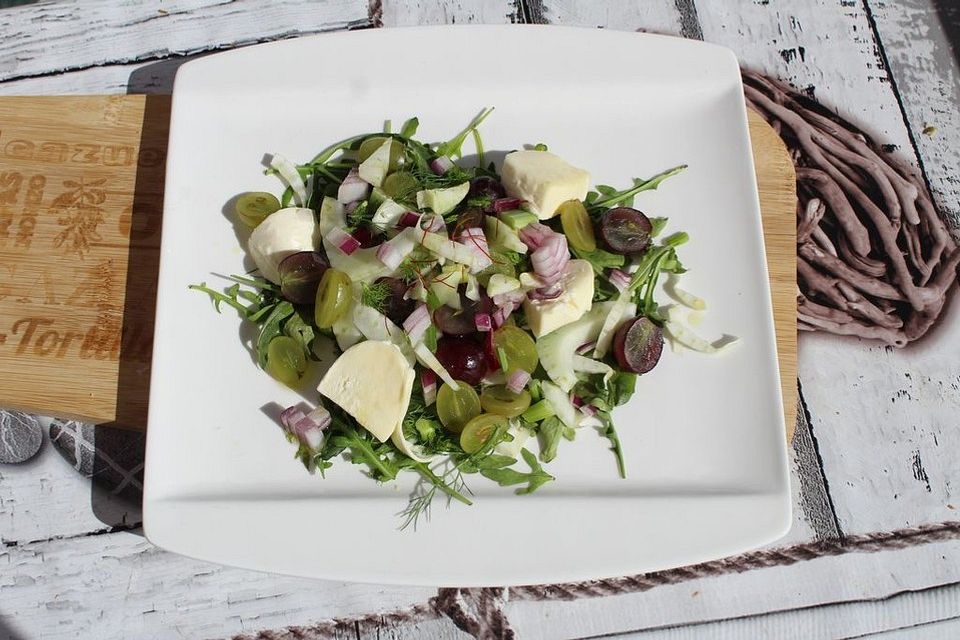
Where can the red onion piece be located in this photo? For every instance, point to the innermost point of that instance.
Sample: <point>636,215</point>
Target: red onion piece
<point>441,165</point>
<point>517,380</point>
<point>433,223</point>
<point>408,219</point>
<point>551,292</point>
<point>501,314</point>
<point>353,188</point>
<point>505,204</point>
<point>308,428</point>
<point>417,323</point>
<point>619,279</point>
<point>392,252</point>
<point>428,380</point>
<point>588,410</point>
<point>586,348</point>
<point>483,321</point>
<point>576,401</point>
<point>550,258</point>
<point>534,234</point>
<point>514,297</point>
<point>343,240</point>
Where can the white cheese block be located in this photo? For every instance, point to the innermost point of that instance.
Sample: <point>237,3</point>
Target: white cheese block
<point>282,233</point>
<point>544,180</point>
<point>544,316</point>
<point>372,382</point>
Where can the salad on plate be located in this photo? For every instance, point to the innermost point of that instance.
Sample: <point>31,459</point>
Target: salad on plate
<point>476,310</point>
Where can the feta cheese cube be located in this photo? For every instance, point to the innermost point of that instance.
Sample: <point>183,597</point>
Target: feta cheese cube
<point>544,180</point>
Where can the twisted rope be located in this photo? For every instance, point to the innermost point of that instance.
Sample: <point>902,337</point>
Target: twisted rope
<point>874,258</point>
<point>480,613</point>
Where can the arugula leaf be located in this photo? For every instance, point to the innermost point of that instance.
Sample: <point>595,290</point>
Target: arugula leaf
<point>551,430</point>
<point>610,433</point>
<point>599,259</point>
<point>271,329</point>
<point>300,330</point>
<point>534,479</point>
<point>657,225</point>
<point>217,298</point>
<point>612,197</point>
<point>453,148</point>
<point>365,451</point>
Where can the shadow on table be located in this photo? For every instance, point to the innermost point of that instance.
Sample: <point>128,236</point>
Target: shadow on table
<point>948,11</point>
<point>112,455</point>
<point>7,633</point>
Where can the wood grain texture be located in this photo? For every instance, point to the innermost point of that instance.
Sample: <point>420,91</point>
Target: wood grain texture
<point>68,35</point>
<point>68,174</point>
<point>777,184</point>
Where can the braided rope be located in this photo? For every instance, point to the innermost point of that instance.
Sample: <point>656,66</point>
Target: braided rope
<point>480,613</point>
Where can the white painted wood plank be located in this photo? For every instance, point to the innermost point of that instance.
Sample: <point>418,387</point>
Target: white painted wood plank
<point>868,435</point>
<point>46,497</point>
<point>119,586</point>
<point>942,629</point>
<point>911,615</point>
<point>403,13</point>
<point>654,16</point>
<point>75,34</point>
<point>850,578</point>
<point>926,74</point>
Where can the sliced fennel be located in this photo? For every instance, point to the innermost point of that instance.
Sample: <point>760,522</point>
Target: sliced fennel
<point>557,348</point>
<point>560,401</point>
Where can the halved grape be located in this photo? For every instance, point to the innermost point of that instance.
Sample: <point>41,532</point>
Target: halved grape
<point>254,207</point>
<point>462,358</point>
<point>638,344</point>
<point>577,225</point>
<point>625,230</point>
<point>463,322</point>
<point>300,275</point>
<point>478,431</point>
<point>400,186</point>
<point>518,347</point>
<point>395,307</point>
<point>456,408</point>
<point>333,298</point>
<point>285,360</point>
<point>372,144</point>
<point>501,401</point>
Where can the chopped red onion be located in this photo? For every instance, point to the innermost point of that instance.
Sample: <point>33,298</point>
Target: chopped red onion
<point>433,223</point>
<point>517,380</point>
<point>307,428</point>
<point>392,252</point>
<point>483,321</point>
<point>408,219</point>
<point>576,401</point>
<point>588,410</point>
<point>505,204</point>
<point>587,347</point>
<point>551,292</point>
<point>619,279</point>
<point>534,234</point>
<point>428,380</point>
<point>441,165</point>
<point>501,314</point>
<point>353,188</point>
<point>550,258</point>
<point>417,323</point>
<point>343,240</point>
<point>514,297</point>
<point>473,237</point>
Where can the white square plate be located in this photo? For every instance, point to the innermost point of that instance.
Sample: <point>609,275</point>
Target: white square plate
<point>703,436</point>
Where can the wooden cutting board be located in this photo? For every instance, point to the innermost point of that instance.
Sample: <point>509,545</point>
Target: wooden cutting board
<point>81,196</point>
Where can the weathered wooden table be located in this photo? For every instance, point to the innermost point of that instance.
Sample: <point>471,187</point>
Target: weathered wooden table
<point>877,469</point>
